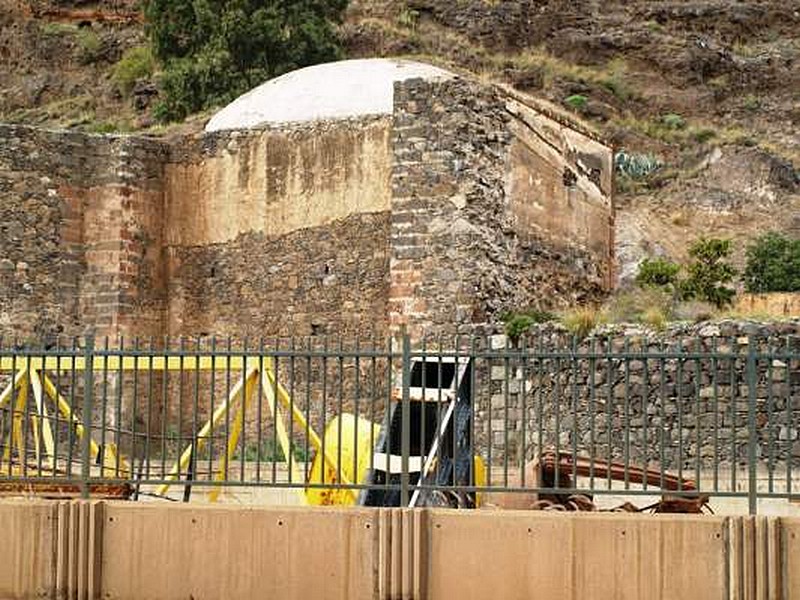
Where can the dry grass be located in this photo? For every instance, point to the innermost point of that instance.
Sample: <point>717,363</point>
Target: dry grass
<point>581,321</point>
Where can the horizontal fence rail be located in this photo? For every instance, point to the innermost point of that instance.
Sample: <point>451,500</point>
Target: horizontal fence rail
<point>461,421</point>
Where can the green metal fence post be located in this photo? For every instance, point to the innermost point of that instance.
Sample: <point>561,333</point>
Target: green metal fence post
<point>86,414</point>
<point>405,429</point>
<point>752,429</point>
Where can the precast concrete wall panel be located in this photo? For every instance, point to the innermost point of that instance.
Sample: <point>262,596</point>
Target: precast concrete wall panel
<point>790,555</point>
<point>27,558</point>
<point>164,553</point>
<point>535,555</point>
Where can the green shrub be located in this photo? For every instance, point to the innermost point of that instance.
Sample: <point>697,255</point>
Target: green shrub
<point>751,102</point>
<point>408,18</point>
<point>636,166</point>
<point>516,324</point>
<point>577,102</point>
<point>90,46</point>
<point>136,63</point>
<point>214,52</point>
<point>58,29</point>
<point>709,272</point>
<point>702,135</point>
<point>773,264</point>
<point>658,272</point>
<point>673,121</point>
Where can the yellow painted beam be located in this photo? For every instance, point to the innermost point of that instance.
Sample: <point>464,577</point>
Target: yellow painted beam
<point>268,382</point>
<point>182,463</point>
<point>233,436</point>
<point>41,409</point>
<point>133,363</point>
<point>7,393</point>
<point>280,426</point>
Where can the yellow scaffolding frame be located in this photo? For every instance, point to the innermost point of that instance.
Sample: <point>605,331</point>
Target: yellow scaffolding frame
<point>257,371</point>
<point>31,374</point>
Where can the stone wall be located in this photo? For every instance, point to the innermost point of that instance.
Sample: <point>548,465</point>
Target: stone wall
<point>455,209</point>
<point>81,229</point>
<point>281,231</point>
<point>484,217</point>
<point>651,398</point>
<point>314,281</point>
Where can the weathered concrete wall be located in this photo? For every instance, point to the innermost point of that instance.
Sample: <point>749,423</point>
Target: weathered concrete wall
<point>275,181</point>
<point>587,556</point>
<point>29,536</point>
<point>163,551</point>
<point>560,188</point>
<point>81,218</point>
<point>280,231</point>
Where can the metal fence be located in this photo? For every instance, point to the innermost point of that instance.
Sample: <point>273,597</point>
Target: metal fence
<point>392,422</point>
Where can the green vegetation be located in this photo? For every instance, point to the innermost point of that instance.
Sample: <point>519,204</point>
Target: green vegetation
<point>709,272</point>
<point>636,166</point>
<point>751,102</point>
<point>215,50</point>
<point>577,101</point>
<point>55,29</point>
<point>658,272</point>
<point>121,126</point>
<point>516,324</point>
<point>271,451</point>
<point>673,121</point>
<point>136,63</point>
<point>773,264</point>
<point>90,45</point>
<point>408,18</point>
<point>650,305</point>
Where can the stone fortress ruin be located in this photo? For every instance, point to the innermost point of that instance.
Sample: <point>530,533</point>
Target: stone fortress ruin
<point>348,198</point>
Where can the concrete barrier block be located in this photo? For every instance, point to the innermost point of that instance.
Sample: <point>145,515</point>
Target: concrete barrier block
<point>554,556</point>
<point>790,542</point>
<point>27,567</point>
<point>178,552</point>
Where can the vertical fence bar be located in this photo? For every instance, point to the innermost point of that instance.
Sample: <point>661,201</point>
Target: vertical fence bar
<point>88,389</point>
<point>405,429</point>
<point>751,426</point>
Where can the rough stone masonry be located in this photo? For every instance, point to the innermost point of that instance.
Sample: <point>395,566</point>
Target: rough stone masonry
<point>466,201</point>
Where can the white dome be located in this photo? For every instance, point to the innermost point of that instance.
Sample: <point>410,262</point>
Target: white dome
<point>337,90</point>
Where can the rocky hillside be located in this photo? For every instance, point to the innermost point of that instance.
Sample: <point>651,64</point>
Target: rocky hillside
<point>700,97</point>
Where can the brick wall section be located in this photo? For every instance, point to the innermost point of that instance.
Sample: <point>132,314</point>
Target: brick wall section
<point>450,143</point>
<point>72,208</point>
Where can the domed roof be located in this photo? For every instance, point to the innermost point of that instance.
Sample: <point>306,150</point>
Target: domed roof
<point>337,90</point>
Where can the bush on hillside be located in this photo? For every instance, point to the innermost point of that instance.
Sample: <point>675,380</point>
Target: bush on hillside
<point>215,50</point>
<point>709,272</point>
<point>773,264</point>
<point>136,63</point>
<point>658,272</point>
